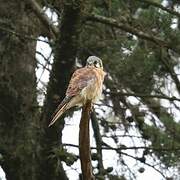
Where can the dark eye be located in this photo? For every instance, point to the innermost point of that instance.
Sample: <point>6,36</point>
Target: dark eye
<point>96,64</point>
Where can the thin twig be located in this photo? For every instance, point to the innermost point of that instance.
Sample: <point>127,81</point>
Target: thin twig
<point>145,164</point>
<point>127,148</point>
<point>118,150</point>
<point>30,37</point>
<point>144,95</point>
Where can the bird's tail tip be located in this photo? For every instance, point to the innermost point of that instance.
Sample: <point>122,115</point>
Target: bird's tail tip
<point>50,124</point>
<point>57,115</point>
<point>53,121</point>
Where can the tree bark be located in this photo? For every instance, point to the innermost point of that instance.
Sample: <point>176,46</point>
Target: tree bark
<point>18,105</point>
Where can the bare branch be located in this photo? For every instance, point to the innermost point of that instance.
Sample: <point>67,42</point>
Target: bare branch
<point>46,59</point>
<point>144,95</point>
<point>136,158</point>
<point>128,148</point>
<point>152,166</point>
<point>43,66</point>
<point>130,29</point>
<point>118,150</point>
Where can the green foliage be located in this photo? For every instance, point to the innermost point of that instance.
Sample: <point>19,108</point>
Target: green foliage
<point>164,145</point>
<point>152,17</point>
<point>136,70</point>
<point>61,154</point>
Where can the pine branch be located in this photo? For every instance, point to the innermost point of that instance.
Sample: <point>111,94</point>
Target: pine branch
<point>144,95</point>
<point>30,37</point>
<point>118,150</point>
<point>157,5</point>
<point>171,71</point>
<point>130,29</point>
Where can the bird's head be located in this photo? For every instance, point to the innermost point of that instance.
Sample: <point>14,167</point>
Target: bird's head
<point>93,61</point>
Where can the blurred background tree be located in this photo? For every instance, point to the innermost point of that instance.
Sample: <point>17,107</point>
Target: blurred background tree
<point>138,116</point>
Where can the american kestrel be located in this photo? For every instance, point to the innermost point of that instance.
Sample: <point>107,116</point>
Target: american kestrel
<point>85,84</point>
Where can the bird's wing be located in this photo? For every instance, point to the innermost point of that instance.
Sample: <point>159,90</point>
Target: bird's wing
<point>80,79</point>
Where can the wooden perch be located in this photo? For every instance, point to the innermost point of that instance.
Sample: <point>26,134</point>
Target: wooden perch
<point>84,143</point>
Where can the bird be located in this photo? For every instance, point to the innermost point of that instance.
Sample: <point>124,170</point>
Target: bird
<point>85,84</point>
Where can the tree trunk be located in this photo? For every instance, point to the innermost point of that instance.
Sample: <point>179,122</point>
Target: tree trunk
<point>18,105</point>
